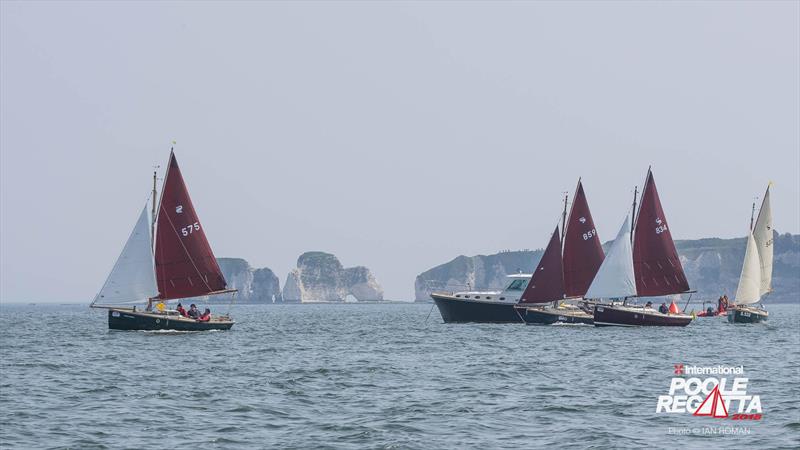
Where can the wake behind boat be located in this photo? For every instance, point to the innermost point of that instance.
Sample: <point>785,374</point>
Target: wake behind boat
<point>483,306</point>
<point>183,266</point>
<point>645,266</point>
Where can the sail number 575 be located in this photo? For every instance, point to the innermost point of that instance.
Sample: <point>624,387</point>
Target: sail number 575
<point>190,229</point>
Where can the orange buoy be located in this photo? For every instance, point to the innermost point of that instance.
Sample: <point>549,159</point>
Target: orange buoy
<point>673,308</point>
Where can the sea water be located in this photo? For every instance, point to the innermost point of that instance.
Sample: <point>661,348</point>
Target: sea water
<point>380,376</point>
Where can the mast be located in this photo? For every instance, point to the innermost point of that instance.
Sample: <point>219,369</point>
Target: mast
<point>753,213</point>
<point>563,232</point>
<point>564,215</point>
<point>153,215</point>
<point>633,208</point>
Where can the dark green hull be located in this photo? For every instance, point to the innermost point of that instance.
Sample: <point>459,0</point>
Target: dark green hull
<point>747,315</point>
<point>542,316</point>
<point>127,320</point>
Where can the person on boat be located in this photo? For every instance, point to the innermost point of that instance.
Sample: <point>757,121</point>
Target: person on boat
<point>149,306</point>
<point>181,310</point>
<point>710,311</point>
<point>673,308</point>
<point>193,312</point>
<point>205,317</point>
<point>648,305</point>
<point>723,304</point>
<point>663,309</point>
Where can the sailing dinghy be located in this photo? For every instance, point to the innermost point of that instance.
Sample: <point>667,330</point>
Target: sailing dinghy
<point>564,273</point>
<point>755,280</point>
<point>648,268</point>
<point>181,267</point>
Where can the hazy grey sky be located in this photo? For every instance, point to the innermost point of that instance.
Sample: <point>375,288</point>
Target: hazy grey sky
<point>394,135</point>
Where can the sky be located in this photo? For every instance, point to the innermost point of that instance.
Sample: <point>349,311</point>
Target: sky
<point>394,135</point>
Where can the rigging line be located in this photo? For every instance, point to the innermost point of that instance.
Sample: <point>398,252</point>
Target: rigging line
<point>191,260</point>
<point>429,312</point>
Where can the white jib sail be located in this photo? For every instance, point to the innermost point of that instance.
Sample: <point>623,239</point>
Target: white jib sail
<point>133,277</point>
<point>749,290</point>
<point>615,278</point>
<point>762,233</point>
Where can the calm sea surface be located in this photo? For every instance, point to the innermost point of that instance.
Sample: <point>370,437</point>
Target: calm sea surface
<point>379,376</point>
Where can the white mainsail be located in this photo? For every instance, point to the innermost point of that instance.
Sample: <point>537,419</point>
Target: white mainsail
<point>133,277</point>
<point>762,233</point>
<point>749,290</point>
<point>615,278</point>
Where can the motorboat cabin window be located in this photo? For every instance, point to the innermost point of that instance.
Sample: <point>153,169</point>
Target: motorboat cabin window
<point>502,298</point>
<point>517,285</point>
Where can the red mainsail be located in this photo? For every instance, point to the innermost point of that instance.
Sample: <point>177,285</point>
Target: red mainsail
<point>656,264</point>
<point>547,282</point>
<point>185,264</point>
<point>583,252</point>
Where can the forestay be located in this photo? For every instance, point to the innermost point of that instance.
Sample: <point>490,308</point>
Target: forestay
<point>133,278</point>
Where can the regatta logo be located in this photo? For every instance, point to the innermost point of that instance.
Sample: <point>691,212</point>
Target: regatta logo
<point>179,209</point>
<point>722,395</point>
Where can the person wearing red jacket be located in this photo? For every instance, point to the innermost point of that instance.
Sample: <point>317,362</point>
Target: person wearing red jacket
<point>205,317</point>
<point>181,310</point>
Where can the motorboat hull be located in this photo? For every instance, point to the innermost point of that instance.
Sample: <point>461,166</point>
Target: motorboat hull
<point>618,315</point>
<point>743,314</point>
<point>119,319</point>
<point>549,316</point>
<point>460,310</point>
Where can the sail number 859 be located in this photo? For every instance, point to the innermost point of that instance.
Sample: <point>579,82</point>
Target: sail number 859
<point>190,229</point>
<point>590,234</point>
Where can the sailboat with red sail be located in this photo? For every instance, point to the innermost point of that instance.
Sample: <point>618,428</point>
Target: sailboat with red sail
<point>180,265</point>
<point>564,273</point>
<point>648,268</point>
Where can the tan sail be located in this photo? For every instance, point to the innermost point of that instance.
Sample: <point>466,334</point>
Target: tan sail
<point>763,235</point>
<point>749,289</point>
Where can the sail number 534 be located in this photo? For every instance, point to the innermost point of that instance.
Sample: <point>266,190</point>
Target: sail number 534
<point>190,229</point>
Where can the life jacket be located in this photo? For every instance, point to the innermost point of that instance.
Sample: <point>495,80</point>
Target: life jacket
<point>204,318</point>
<point>182,311</point>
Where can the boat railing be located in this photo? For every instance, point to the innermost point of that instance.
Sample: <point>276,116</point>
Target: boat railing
<point>451,288</point>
